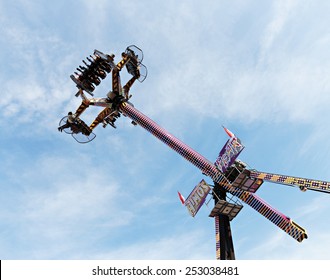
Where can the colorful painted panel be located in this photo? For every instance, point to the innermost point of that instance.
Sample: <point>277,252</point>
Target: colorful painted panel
<point>228,154</point>
<point>197,197</point>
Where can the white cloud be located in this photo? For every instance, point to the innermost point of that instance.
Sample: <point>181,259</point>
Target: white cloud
<point>60,204</point>
<point>179,246</point>
<point>206,61</point>
<point>286,79</point>
<point>282,12</point>
<point>276,244</point>
<point>209,78</point>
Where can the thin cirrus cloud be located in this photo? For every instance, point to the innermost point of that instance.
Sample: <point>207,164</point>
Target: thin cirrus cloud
<point>249,64</point>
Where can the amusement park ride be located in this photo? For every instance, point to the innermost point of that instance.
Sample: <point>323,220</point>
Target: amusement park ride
<point>230,175</point>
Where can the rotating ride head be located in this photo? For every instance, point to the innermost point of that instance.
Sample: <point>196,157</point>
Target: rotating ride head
<point>88,76</point>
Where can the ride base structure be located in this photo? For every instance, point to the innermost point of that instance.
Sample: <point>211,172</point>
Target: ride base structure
<point>232,180</point>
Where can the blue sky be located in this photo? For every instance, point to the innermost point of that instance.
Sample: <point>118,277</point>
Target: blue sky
<point>261,68</point>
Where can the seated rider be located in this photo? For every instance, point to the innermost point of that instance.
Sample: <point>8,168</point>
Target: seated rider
<point>76,125</point>
<point>70,122</point>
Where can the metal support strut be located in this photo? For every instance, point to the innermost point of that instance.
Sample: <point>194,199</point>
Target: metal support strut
<point>225,245</point>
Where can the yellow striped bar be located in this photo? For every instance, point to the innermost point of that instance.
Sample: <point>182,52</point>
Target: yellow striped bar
<point>121,64</point>
<point>83,106</point>
<point>302,183</point>
<point>103,114</point>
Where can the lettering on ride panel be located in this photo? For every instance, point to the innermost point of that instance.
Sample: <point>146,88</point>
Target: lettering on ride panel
<point>197,197</point>
<point>228,154</point>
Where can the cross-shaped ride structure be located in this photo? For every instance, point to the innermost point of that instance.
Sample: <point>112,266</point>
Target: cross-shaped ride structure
<point>230,176</point>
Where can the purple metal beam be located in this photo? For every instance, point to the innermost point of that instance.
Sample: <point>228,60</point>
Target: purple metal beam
<point>209,169</point>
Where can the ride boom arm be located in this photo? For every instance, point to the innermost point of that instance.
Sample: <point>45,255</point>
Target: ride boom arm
<point>208,168</point>
<point>302,183</point>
